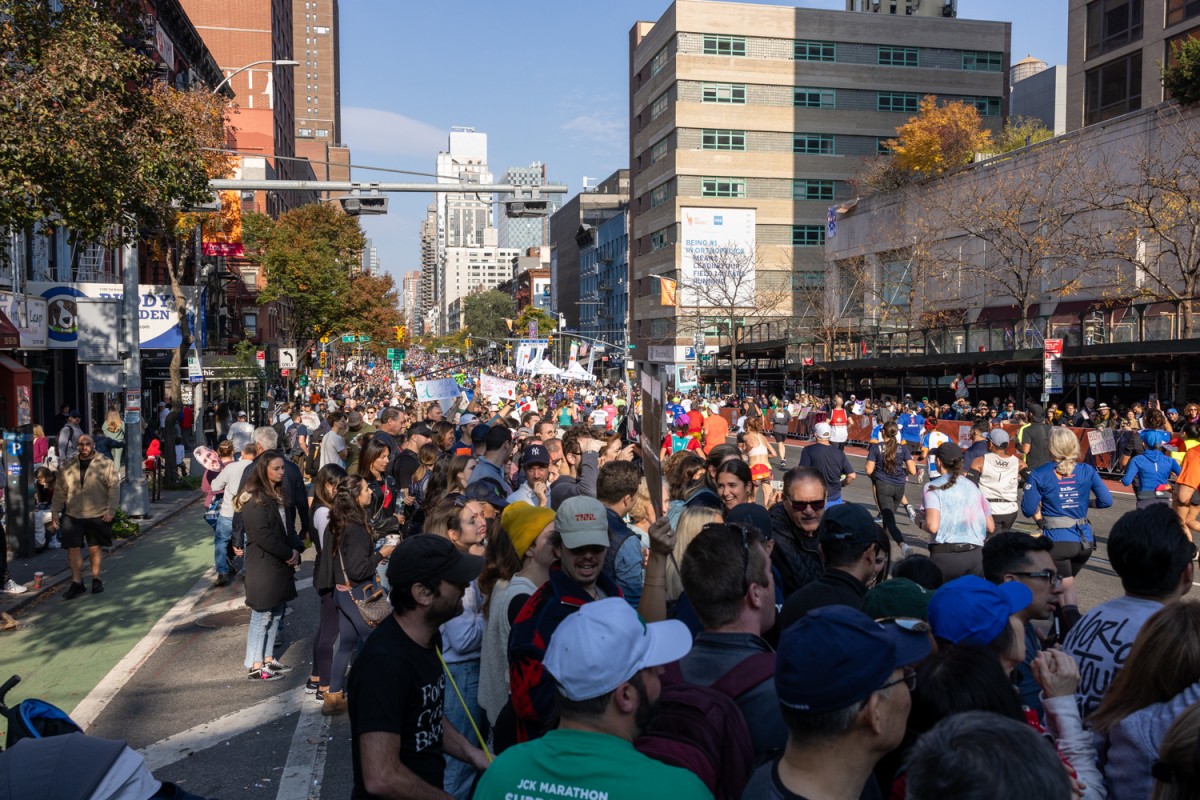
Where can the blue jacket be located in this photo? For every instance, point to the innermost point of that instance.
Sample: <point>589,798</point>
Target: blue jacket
<point>1065,496</point>
<point>1149,470</point>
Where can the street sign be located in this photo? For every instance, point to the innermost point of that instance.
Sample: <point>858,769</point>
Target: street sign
<point>287,358</point>
<point>283,372</point>
<point>195,373</point>
<point>324,340</point>
<point>391,354</point>
<point>304,380</point>
<point>364,338</point>
<point>261,357</point>
<point>133,400</point>
<point>348,339</point>
<point>401,353</point>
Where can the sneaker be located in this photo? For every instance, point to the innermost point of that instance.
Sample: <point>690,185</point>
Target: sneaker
<point>276,667</point>
<point>97,586</point>
<point>912,512</point>
<point>222,580</point>
<point>73,591</point>
<point>263,675</point>
<point>53,544</point>
<point>878,520</point>
<point>311,686</point>
<point>320,696</point>
<point>12,587</point>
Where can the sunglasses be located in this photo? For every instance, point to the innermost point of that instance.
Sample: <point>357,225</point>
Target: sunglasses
<point>812,505</point>
<point>1046,574</point>
<point>587,550</point>
<point>909,680</point>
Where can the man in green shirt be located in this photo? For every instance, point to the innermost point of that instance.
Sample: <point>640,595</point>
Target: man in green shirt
<point>606,663</point>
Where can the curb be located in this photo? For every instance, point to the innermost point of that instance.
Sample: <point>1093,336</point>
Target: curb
<point>52,582</point>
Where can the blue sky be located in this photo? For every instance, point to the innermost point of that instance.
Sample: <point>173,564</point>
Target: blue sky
<point>547,80</point>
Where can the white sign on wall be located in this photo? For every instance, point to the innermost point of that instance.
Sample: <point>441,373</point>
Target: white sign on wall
<point>717,260</point>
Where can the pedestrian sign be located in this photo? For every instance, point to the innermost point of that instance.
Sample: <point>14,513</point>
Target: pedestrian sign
<point>324,340</point>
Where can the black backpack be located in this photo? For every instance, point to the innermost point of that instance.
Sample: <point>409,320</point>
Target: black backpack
<point>312,461</point>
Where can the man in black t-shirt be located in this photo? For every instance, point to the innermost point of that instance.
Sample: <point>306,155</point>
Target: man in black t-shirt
<point>396,689</point>
<point>1034,439</point>
<point>829,461</point>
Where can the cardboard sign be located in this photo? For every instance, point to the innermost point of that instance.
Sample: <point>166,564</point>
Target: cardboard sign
<point>1102,441</point>
<point>490,386</point>
<point>440,389</point>
<point>652,434</point>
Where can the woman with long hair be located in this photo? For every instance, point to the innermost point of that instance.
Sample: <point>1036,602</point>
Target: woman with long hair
<point>691,520</point>
<point>889,464</point>
<point>524,541</point>
<point>41,445</point>
<point>759,450</point>
<point>436,491</point>
<point>1177,770</point>
<point>382,513</point>
<point>1159,680</point>
<point>734,484</point>
<point>957,516</point>
<point>271,560</point>
<point>352,560</point>
<point>114,430</point>
<point>1058,495</point>
<point>459,472</point>
<point>428,457</point>
<point>683,472</point>
<point>324,490</point>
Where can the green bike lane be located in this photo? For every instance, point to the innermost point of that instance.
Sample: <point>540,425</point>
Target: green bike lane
<point>66,647</point>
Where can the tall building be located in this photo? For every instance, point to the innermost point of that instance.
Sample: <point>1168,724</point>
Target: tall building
<point>604,286</point>
<point>318,101</point>
<point>746,124</point>
<point>425,308</point>
<point>1113,51</point>
<point>410,287</point>
<point>572,228</point>
<point>370,259</point>
<point>1040,92</point>
<point>525,232</point>
<point>464,219</point>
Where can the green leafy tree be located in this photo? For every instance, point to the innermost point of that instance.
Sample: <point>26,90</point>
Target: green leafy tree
<point>484,314</point>
<point>1181,77</point>
<point>545,322</point>
<point>308,255</point>
<point>1021,132</point>
<point>373,308</point>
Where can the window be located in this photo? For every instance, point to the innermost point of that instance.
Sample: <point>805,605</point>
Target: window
<point>659,61</point>
<point>250,323</point>
<point>1113,89</point>
<point>322,133</point>
<point>808,235</point>
<point>321,29</point>
<point>305,132</point>
<point>722,187</point>
<point>819,144</point>
<point>898,56</point>
<point>815,51</point>
<point>659,105</point>
<point>812,189</point>
<point>720,139</point>
<point>982,61</point>
<point>724,45</point>
<point>658,240</point>
<point>659,149</point>
<point>659,195</point>
<point>815,98</point>
<point>723,93</point>
<point>808,279</point>
<point>986,106</point>
<point>1170,60</point>
<point>897,101</point>
<point>881,145</point>
<point>1112,24</point>
<point>1179,10</point>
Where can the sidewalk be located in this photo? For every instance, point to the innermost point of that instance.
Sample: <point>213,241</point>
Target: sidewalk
<point>53,563</point>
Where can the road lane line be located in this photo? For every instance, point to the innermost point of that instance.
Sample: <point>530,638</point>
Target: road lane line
<point>179,746</point>
<point>305,767</point>
<point>233,604</point>
<point>98,698</point>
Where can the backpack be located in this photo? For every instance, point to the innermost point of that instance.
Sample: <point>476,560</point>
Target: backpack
<point>701,729</point>
<point>282,438</point>
<point>312,461</point>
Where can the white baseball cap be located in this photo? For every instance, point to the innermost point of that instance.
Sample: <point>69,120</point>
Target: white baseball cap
<point>823,430</point>
<point>605,643</point>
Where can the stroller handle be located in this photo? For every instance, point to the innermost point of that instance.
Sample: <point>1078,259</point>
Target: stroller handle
<point>8,684</point>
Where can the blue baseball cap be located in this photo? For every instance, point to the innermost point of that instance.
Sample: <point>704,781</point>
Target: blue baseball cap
<point>836,656</point>
<point>972,610</point>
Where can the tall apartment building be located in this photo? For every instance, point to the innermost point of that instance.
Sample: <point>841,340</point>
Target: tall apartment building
<point>573,228</point>
<point>747,121</point>
<point>318,80</point>
<point>1113,51</point>
<point>410,287</point>
<point>604,284</point>
<point>424,310</point>
<point>370,259</point>
<point>525,232</point>
<point>463,218</point>
<point>1039,92</point>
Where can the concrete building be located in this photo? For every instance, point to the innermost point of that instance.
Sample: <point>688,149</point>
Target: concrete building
<point>469,270</point>
<point>525,232</point>
<point>746,124</point>
<point>370,259</point>
<point>316,36</point>
<point>463,219</point>
<point>571,229</point>
<point>908,8</point>
<point>604,286</point>
<point>427,298</point>
<point>1042,95</point>
<point>409,292</point>
<point>1113,51</point>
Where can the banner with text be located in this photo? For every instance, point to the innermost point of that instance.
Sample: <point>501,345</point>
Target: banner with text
<point>491,386</point>
<point>440,389</point>
<point>718,264</point>
<point>159,323</point>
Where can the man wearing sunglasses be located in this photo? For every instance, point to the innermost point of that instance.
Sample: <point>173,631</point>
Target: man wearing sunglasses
<point>580,544</point>
<point>794,522</point>
<point>841,724</point>
<point>849,541</point>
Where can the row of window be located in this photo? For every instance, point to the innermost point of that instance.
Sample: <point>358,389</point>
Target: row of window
<point>802,189</point>
<point>807,97</point>
<point>813,144</point>
<point>808,50</point>
<point>802,236</point>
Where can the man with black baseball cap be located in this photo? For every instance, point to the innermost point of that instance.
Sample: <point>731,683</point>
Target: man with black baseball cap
<point>844,683</point>
<point>398,732</point>
<point>535,461</point>
<point>849,540</point>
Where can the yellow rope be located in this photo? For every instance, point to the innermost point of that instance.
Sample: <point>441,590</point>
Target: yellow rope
<point>471,719</point>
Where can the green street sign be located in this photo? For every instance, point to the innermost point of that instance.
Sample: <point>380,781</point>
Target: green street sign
<point>304,380</point>
<point>364,338</point>
<point>400,354</point>
<point>348,339</point>
<point>391,354</point>
<point>631,346</point>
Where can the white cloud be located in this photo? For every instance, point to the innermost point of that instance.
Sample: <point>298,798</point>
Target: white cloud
<point>372,130</point>
<point>605,131</point>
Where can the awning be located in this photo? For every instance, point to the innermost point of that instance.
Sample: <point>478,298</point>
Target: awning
<point>10,337</point>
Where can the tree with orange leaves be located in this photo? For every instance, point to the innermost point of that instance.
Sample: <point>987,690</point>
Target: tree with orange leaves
<point>941,137</point>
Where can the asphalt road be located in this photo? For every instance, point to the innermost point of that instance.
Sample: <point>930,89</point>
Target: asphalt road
<point>156,660</point>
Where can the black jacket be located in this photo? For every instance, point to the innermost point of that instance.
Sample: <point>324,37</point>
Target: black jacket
<point>269,579</point>
<point>834,588</point>
<point>357,551</point>
<point>297,502</point>
<point>796,555</point>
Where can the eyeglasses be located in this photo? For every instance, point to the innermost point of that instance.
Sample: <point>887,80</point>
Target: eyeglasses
<point>802,505</point>
<point>587,550</point>
<point>909,680</point>
<point>1046,574</point>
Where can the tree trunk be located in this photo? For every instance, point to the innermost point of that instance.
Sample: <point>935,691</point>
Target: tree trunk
<point>175,275</point>
<point>732,357</point>
<point>1181,370</point>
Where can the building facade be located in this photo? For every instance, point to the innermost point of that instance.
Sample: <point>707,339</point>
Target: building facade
<point>604,288</point>
<point>425,313</point>
<point>747,123</point>
<point>1042,95</point>
<point>571,230</point>
<point>464,220</point>
<point>522,233</point>
<point>316,37</point>
<point>410,289</point>
<point>1113,51</point>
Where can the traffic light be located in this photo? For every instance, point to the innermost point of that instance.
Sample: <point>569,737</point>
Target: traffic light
<point>468,342</point>
<point>399,331</point>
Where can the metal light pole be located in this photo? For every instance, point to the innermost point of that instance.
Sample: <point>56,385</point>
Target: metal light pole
<point>279,62</point>
<point>135,498</point>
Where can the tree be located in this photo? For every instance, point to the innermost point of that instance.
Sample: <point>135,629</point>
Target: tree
<point>308,255</point>
<point>939,138</point>
<point>546,324</point>
<point>484,313</point>
<point>373,308</point>
<point>1021,132</point>
<point>1181,79</point>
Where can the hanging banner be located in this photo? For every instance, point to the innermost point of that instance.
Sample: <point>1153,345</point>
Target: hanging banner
<point>440,389</point>
<point>592,356</point>
<point>529,354</point>
<point>574,357</point>
<point>221,234</point>
<point>29,315</point>
<point>490,386</point>
<point>158,327</point>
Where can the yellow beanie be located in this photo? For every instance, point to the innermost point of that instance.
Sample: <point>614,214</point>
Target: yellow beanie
<point>523,522</point>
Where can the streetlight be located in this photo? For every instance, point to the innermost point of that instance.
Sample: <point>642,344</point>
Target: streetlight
<point>280,62</point>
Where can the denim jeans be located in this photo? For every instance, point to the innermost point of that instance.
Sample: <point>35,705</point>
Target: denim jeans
<point>260,639</point>
<point>221,537</point>
<point>460,776</point>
